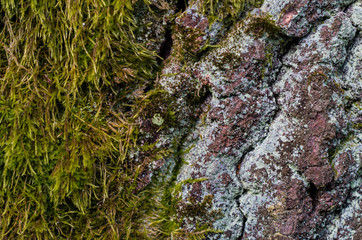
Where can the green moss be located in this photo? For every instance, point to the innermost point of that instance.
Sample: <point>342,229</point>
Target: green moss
<point>162,214</point>
<point>168,219</point>
<point>218,10</point>
<point>357,125</point>
<point>316,76</point>
<point>335,151</point>
<point>190,42</point>
<point>76,94</point>
<point>70,117</point>
<point>264,24</point>
<point>156,110</point>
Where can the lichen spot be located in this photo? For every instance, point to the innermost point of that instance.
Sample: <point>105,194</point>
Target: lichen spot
<point>157,119</point>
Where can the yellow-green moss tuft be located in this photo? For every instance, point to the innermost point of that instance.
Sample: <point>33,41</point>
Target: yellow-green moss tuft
<point>217,10</point>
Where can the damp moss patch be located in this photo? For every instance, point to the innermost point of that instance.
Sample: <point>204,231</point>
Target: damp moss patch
<point>76,85</point>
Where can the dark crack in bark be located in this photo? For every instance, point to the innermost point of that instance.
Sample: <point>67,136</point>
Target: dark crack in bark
<point>181,5</point>
<point>166,46</point>
<point>349,49</point>
<point>313,194</point>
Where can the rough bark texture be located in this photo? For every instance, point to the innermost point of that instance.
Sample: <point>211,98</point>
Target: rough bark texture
<point>278,118</point>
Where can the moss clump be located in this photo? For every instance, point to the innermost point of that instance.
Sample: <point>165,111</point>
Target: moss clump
<point>198,213</point>
<point>69,118</point>
<point>218,10</point>
<point>179,219</point>
<point>76,93</point>
<point>317,76</point>
<point>263,24</point>
<point>156,112</point>
<point>190,41</point>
